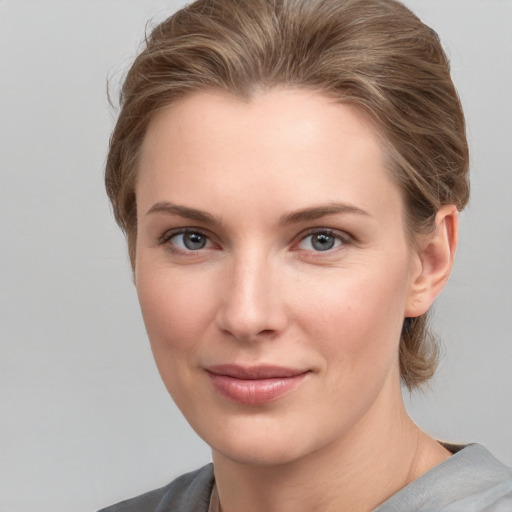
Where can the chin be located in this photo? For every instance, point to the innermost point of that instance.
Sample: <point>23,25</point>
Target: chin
<point>260,442</point>
<point>259,453</point>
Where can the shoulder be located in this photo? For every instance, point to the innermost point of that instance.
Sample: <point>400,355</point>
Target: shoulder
<point>189,492</point>
<point>471,480</point>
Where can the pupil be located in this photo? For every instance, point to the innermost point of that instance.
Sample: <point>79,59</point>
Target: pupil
<point>323,242</point>
<point>194,241</point>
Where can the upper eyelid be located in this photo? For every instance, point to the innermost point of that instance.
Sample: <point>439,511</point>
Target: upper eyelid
<point>169,233</point>
<point>164,241</point>
<point>342,235</point>
<point>345,239</point>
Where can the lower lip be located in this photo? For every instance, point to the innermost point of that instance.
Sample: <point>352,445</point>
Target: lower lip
<point>254,391</point>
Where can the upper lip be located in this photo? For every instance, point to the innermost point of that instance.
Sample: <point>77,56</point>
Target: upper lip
<point>254,372</point>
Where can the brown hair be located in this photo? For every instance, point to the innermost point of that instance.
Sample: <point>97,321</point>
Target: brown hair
<point>374,54</point>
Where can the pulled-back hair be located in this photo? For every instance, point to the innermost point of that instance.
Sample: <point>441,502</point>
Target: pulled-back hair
<point>373,54</point>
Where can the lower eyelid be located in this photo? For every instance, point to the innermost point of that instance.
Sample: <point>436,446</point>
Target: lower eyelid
<point>342,240</point>
<point>166,238</point>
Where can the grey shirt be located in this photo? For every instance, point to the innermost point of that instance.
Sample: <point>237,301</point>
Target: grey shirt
<point>471,480</point>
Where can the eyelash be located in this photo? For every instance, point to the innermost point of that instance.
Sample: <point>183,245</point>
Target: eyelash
<point>342,238</point>
<point>166,238</point>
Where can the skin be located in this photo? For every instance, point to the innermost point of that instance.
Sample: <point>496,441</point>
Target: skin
<point>260,292</point>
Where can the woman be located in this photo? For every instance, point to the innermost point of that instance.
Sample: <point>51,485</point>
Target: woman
<point>289,174</point>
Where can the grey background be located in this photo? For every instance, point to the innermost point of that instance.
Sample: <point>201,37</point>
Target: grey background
<point>85,420</point>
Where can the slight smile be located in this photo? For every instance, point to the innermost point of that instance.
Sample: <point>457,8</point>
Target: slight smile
<point>254,385</point>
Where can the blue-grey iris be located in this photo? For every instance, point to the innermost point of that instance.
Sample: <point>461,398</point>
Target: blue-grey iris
<point>323,241</point>
<point>194,241</point>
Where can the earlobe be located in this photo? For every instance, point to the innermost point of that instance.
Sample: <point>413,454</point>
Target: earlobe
<point>435,255</point>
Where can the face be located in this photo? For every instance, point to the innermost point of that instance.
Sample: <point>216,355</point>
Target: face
<point>273,270</point>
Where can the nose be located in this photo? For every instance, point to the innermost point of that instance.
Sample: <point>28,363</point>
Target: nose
<point>252,305</point>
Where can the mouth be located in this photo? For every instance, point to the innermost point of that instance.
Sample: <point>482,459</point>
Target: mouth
<point>254,385</point>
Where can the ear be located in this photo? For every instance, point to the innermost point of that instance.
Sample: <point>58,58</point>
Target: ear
<point>435,255</point>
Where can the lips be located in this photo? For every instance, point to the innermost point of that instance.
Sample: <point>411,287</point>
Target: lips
<point>253,385</point>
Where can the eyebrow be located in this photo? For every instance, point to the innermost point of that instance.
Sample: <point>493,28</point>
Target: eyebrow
<point>303,215</point>
<point>184,211</point>
<point>317,212</point>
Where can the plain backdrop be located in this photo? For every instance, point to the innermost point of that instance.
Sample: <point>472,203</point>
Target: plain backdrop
<point>85,420</point>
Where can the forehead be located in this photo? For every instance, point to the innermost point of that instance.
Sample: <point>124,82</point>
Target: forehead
<point>282,147</point>
<point>278,115</point>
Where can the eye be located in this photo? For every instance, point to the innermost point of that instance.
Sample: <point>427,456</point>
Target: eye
<point>320,241</point>
<point>188,241</point>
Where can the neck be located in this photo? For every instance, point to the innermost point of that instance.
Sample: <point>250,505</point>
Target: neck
<point>380,455</point>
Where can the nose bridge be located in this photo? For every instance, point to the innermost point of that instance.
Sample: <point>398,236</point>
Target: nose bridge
<point>250,304</point>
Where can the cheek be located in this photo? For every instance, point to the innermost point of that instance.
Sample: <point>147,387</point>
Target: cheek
<point>175,306</point>
<point>177,311</point>
<point>356,317</point>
